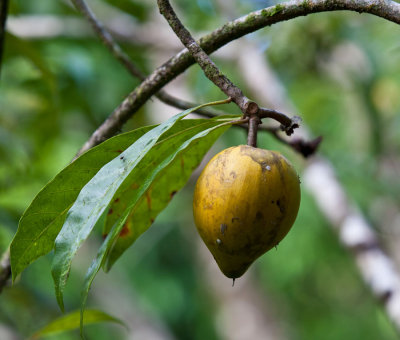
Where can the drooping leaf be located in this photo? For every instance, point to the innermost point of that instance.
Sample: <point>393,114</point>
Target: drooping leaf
<point>97,194</point>
<point>43,219</point>
<point>71,321</point>
<point>167,178</point>
<point>171,173</point>
<point>166,184</point>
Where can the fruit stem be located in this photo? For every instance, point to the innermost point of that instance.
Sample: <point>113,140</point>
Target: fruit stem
<point>252,132</point>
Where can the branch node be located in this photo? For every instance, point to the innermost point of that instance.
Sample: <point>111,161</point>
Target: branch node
<point>251,108</point>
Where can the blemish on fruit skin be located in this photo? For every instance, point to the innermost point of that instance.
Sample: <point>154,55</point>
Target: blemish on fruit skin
<point>281,206</point>
<point>172,194</point>
<point>119,151</point>
<point>110,212</point>
<point>223,228</point>
<point>116,200</point>
<point>151,220</point>
<point>265,166</point>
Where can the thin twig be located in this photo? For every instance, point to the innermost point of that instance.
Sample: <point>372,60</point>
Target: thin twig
<point>107,39</point>
<point>3,19</point>
<point>287,124</point>
<point>252,131</point>
<point>232,30</point>
<point>125,60</point>
<point>212,72</point>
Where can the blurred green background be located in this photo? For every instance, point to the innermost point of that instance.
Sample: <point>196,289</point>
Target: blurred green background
<point>58,83</point>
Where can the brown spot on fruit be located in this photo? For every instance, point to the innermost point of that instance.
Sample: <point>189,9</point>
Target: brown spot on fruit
<point>116,200</point>
<point>110,212</point>
<point>281,206</point>
<point>173,193</point>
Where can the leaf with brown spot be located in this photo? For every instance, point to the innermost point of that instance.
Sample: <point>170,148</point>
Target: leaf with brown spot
<point>126,229</point>
<point>167,182</point>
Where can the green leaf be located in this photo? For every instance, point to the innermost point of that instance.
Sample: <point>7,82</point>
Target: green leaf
<point>97,194</point>
<point>177,157</point>
<point>166,183</point>
<point>72,320</point>
<point>43,219</point>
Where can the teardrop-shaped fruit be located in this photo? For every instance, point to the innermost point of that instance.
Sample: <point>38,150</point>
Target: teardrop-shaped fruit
<point>245,202</point>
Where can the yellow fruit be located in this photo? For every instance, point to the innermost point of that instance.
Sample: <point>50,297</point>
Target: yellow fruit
<point>245,202</point>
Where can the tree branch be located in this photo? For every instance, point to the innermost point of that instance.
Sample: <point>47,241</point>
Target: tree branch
<point>107,39</point>
<point>232,30</point>
<point>250,109</point>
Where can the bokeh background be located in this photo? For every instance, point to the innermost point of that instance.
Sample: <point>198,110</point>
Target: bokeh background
<point>339,71</point>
